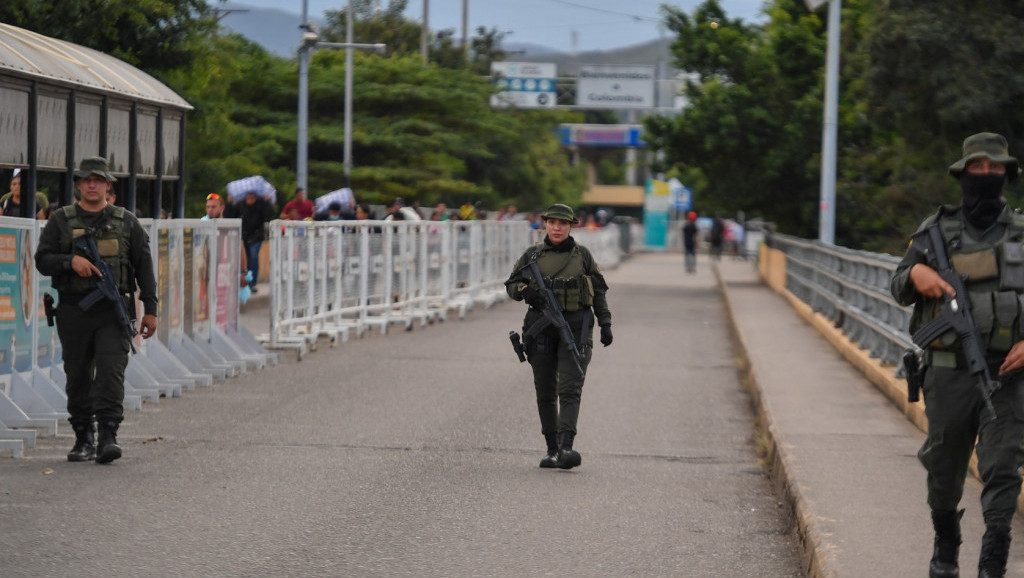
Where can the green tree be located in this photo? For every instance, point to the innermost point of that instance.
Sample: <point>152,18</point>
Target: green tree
<point>747,138</point>
<point>155,35</point>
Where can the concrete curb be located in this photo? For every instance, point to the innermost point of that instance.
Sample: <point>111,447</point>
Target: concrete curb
<point>818,562</point>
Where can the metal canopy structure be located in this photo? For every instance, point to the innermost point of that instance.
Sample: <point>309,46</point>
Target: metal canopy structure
<point>61,102</point>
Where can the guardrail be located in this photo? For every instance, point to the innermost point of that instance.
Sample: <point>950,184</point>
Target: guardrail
<point>850,288</point>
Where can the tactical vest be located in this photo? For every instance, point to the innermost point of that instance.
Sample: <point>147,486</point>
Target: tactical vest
<point>565,274</point>
<point>113,240</point>
<point>994,277</point>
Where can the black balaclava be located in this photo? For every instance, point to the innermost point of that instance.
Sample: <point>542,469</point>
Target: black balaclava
<point>983,200</point>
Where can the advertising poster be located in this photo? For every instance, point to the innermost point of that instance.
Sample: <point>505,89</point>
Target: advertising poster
<point>175,268</point>
<point>226,287</point>
<point>163,284</point>
<point>657,202</point>
<point>16,306</point>
<point>200,283</point>
<point>187,246</point>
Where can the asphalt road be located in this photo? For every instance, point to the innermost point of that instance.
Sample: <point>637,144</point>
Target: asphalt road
<point>415,454</point>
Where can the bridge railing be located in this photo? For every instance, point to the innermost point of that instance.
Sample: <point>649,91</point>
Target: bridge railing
<point>850,288</point>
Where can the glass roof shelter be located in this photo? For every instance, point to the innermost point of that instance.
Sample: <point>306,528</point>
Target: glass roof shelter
<point>61,102</point>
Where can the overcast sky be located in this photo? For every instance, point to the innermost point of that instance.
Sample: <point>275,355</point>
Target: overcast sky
<point>564,25</point>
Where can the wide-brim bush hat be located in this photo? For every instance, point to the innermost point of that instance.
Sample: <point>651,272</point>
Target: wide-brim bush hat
<point>94,166</point>
<point>986,145</point>
<point>561,212</point>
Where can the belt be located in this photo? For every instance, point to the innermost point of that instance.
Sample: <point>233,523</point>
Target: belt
<point>956,360</point>
<point>948,359</point>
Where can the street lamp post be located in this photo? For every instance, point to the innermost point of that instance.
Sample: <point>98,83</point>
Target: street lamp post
<point>830,124</point>
<point>310,41</point>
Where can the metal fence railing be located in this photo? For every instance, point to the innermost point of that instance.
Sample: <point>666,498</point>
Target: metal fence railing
<point>336,278</point>
<point>850,288</point>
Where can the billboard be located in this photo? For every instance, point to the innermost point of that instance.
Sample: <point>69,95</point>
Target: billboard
<point>609,86</point>
<point>524,84</point>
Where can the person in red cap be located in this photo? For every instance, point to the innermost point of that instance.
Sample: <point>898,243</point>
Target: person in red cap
<point>690,242</point>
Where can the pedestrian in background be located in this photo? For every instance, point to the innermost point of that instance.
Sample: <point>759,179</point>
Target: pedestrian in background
<point>690,231</point>
<point>10,204</point>
<point>95,343</point>
<point>983,237</point>
<point>716,238</point>
<point>303,207</point>
<point>255,212</point>
<point>214,207</point>
<point>570,272</point>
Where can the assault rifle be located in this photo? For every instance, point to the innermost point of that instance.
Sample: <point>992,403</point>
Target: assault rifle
<point>955,314</point>
<point>107,287</point>
<point>552,316</point>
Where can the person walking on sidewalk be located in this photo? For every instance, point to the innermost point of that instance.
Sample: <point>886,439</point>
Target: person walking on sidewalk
<point>690,233</point>
<point>983,237</point>
<point>94,340</point>
<point>570,272</point>
<point>255,212</point>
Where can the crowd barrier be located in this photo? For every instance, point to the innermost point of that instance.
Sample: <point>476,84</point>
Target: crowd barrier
<point>199,340</point>
<point>335,279</point>
<point>326,279</point>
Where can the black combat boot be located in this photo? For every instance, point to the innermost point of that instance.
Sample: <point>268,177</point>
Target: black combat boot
<point>108,450</point>
<point>947,544</point>
<point>995,549</point>
<point>550,460</point>
<point>567,457</point>
<point>85,443</point>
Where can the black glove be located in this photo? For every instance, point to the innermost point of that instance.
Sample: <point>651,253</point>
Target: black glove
<point>533,297</point>
<point>606,335</point>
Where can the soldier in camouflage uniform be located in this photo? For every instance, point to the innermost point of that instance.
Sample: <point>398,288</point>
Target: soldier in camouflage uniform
<point>570,271</point>
<point>95,344</point>
<point>984,240</point>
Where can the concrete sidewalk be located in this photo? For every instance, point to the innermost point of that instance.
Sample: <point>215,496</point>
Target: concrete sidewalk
<point>844,455</point>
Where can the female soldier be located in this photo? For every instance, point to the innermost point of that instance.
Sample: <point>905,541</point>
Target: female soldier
<point>569,271</point>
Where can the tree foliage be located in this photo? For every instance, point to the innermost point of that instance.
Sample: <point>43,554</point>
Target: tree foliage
<point>425,133</point>
<point>916,79</point>
<point>154,35</point>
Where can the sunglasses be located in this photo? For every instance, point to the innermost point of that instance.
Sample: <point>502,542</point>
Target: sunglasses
<point>213,197</point>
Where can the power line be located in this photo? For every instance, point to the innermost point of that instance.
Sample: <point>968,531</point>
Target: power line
<point>606,11</point>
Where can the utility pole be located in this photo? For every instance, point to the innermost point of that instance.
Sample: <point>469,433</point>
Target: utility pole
<point>310,41</point>
<point>830,123</point>
<point>465,31</point>
<point>302,160</point>
<point>425,34</point>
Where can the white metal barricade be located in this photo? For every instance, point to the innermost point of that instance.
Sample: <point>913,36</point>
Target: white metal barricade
<point>331,277</point>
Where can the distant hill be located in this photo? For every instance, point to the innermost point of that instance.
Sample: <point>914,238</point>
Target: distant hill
<point>275,30</point>
<point>278,32</point>
<point>568,64</point>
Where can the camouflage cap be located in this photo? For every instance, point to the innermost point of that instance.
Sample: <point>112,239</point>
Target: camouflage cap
<point>561,212</point>
<point>986,145</point>
<point>94,166</point>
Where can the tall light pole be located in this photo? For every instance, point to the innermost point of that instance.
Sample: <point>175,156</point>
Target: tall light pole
<point>830,124</point>
<point>347,158</point>
<point>425,33</point>
<point>302,146</point>
<point>310,40</point>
